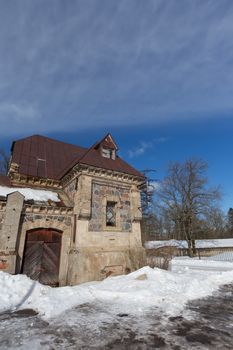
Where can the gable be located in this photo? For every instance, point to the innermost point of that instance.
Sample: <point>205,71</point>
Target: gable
<point>108,143</point>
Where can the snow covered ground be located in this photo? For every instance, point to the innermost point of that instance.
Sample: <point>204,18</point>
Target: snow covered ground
<point>211,265</point>
<point>202,243</point>
<point>136,292</point>
<point>29,193</point>
<point>147,309</point>
<point>226,256</point>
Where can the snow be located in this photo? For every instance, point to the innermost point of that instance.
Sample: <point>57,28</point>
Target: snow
<point>136,292</point>
<point>226,256</point>
<point>203,243</point>
<point>181,264</point>
<point>29,193</point>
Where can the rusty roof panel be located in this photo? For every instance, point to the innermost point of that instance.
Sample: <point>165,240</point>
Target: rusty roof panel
<point>5,181</point>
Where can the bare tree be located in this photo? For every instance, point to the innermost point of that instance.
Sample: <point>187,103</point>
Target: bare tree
<point>230,222</point>
<point>147,193</point>
<point>4,162</point>
<point>185,199</point>
<point>149,223</point>
<point>215,224</point>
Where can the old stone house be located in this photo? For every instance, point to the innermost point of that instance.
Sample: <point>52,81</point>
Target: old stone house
<point>69,214</point>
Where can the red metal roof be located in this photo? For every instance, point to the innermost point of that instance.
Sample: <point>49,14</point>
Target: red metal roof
<point>48,158</point>
<point>5,181</point>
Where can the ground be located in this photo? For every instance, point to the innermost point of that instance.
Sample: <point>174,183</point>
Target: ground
<point>203,324</point>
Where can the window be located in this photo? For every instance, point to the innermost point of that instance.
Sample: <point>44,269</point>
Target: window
<point>111,214</point>
<point>106,153</point>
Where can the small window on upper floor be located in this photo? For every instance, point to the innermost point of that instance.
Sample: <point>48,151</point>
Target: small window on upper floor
<point>108,153</point>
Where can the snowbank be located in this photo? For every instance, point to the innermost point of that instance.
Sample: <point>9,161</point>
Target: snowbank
<point>135,292</point>
<point>203,243</point>
<point>29,193</point>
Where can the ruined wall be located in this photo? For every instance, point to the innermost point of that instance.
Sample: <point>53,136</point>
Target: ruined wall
<point>100,195</point>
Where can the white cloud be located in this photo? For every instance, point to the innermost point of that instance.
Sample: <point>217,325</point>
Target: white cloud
<point>140,150</point>
<point>144,146</point>
<point>18,113</point>
<point>154,185</point>
<point>72,65</point>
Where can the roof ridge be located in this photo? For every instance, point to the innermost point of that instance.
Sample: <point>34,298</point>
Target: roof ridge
<point>51,139</point>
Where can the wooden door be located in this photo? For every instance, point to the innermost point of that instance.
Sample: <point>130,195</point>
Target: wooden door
<point>42,256</point>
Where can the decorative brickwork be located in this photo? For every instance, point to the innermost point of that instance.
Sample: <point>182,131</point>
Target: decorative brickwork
<point>100,195</point>
<point>48,218</point>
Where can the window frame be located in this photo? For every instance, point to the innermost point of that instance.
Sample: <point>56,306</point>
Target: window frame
<point>112,208</point>
<point>117,226</point>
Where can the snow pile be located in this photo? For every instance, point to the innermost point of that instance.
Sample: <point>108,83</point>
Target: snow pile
<point>29,193</point>
<point>140,290</point>
<point>202,243</point>
<point>20,292</point>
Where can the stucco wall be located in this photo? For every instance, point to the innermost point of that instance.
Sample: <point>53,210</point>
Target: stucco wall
<point>89,264</point>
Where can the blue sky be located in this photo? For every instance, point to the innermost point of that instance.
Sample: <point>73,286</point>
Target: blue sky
<point>157,74</point>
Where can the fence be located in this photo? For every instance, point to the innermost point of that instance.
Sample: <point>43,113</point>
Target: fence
<point>161,257</point>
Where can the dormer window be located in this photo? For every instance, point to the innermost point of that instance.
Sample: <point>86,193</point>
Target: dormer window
<point>107,147</point>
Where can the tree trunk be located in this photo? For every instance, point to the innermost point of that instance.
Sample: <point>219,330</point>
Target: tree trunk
<point>194,250</point>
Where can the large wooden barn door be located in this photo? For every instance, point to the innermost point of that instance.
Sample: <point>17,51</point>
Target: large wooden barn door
<point>42,256</point>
